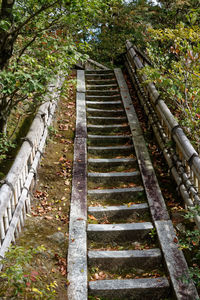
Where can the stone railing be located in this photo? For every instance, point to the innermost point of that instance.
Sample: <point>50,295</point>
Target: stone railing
<point>182,159</point>
<point>15,192</point>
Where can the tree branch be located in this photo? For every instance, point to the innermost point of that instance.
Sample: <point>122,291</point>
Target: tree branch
<point>43,8</point>
<point>34,38</point>
<point>25,47</point>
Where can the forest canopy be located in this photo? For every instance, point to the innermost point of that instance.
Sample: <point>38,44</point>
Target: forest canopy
<point>40,38</point>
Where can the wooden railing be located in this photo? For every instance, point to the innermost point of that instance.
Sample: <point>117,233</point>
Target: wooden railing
<point>182,158</point>
<point>15,192</point>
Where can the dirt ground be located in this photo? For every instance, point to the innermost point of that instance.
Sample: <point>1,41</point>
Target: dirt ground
<point>47,223</point>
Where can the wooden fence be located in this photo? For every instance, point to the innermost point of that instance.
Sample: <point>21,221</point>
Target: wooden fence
<point>182,159</point>
<point>15,193</point>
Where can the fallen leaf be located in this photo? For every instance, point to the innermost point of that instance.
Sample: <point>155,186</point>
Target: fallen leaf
<point>175,240</point>
<point>48,217</point>
<point>91,217</point>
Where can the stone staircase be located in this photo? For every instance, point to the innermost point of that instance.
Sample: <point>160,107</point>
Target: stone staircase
<point>114,182</point>
<point>132,250</point>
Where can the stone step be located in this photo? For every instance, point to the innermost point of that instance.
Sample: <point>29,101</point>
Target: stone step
<point>115,260</point>
<point>118,211</point>
<point>117,194</point>
<point>108,140</point>
<point>100,76</point>
<point>108,129</point>
<point>111,152</point>
<point>131,289</point>
<point>112,163</point>
<point>175,261</point>
<point>98,71</point>
<point>103,98</point>
<point>101,81</point>
<point>119,232</point>
<point>107,105</point>
<point>114,177</point>
<point>106,120</point>
<point>101,87</point>
<point>102,92</point>
<point>105,112</point>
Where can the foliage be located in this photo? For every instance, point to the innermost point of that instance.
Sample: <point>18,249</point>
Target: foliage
<point>15,282</point>
<point>190,241</point>
<point>5,145</point>
<point>116,22</point>
<point>170,13</point>
<point>37,40</point>
<point>175,55</point>
<point>153,234</point>
<point>52,131</point>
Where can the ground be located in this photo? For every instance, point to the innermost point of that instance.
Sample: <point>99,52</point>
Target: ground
<point>47,223</point>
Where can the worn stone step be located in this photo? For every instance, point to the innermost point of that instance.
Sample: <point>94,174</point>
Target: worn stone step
<point>107,140</point>
<point>98,71</point>
<point>108,129</point>
<point>106,105</point>
<point>105,112</point>
<point>112,163</point>
<point>115,260</point>
<point>101,81</point>
<point>100,76</point>
<point>101,87</point>
<point>117,194</point>
<point>114,177</point>
<point>131,289</point>
<point>106,120</point>
<point>119,232</point>
<point>111,151</point>
<point>118,211</point>
<point>103,98</point>
<point>102,92</point>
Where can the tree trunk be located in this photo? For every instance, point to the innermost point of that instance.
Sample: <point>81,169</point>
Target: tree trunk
<point>6,40</point>
<point>6,48</point>
<point>3,126</point>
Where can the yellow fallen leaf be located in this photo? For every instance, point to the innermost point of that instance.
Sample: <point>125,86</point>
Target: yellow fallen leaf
<point>36,291</point>
<point>91,217</point>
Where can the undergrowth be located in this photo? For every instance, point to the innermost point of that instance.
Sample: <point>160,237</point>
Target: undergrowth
<point>19,280</point>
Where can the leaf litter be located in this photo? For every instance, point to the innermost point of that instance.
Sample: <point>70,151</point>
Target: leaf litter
<point>49,214</point>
